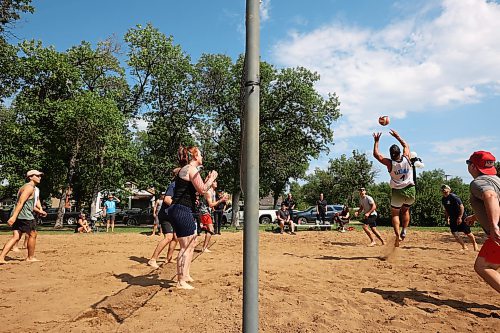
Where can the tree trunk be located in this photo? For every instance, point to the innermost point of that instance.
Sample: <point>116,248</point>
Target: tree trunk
<point>67,188</point>
<point>235,218</point>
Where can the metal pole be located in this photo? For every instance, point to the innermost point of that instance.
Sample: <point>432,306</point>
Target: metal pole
<point>251,171</point>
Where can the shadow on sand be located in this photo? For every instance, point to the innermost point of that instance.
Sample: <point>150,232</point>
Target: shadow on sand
<point>398,296</point>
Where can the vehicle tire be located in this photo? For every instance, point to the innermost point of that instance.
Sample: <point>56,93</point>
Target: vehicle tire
<point>71,221</point>
<point>302,220</point>
<point>224,220</point>
<point>131,222</point>
<point>266,219</point>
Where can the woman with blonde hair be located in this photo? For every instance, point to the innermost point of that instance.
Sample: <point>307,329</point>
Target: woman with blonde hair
<point>187,182</point>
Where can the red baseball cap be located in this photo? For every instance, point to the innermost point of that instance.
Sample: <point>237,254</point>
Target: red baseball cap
<point>484,162</point>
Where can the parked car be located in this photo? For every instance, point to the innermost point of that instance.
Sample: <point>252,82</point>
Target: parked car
<point>308,216</point>
<point>228,215</point>
<point>138,217</point>
<point>70,218</point>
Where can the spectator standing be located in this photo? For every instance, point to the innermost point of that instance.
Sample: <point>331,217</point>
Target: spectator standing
<point>455,216</point>
<point>110,211</point>
<point>321,209</point>
<point>402,185</point>
<point>485,201</point>
<point>219,199</point>
<point>290,204</point>
<point>22,219</point>
<point>156,209</point>
<point>368,207</point>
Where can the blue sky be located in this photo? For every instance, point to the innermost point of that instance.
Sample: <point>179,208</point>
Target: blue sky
<point>432,66</point>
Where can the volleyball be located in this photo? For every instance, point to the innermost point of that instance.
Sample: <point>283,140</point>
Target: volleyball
<point>383,120</point>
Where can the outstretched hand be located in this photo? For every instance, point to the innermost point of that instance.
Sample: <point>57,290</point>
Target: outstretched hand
<point>394,133</point>
<point>376,136</point>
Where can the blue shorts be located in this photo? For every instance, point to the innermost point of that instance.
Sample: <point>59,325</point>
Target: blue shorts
<point>182,220</point>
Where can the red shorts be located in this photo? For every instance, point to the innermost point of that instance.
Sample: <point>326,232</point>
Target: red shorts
<point>490,252</point>
<point>206,219</point>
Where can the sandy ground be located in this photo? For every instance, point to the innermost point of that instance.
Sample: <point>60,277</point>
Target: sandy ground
<point>316,281</point>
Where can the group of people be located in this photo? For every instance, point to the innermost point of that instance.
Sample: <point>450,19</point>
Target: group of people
<point>190,198</point>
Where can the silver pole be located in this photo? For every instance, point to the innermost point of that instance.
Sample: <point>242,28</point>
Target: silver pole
<point>251,172</point>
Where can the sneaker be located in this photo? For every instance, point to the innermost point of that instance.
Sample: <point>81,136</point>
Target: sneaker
<point>403,234</point>
<point>343,230</point>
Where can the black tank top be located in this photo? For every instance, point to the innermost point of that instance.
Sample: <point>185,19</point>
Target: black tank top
<point>184,193</point>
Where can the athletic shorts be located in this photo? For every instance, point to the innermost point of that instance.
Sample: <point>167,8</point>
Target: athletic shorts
<point>490,252</point>
<point>403,197</point>
<point>24,226</point>
<point>206,219</point>
<point>371,221</point>
<point>166,227</point>
<point>110,216</point>
<point>462,227</point>
<point>182,220</point>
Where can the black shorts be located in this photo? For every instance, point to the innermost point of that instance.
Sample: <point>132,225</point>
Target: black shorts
<point>166,227</point>
<point>24,226</point>
<point>371,221</point>
<point>110,217</point>
<point>462,227</point>
<point>182,220</point>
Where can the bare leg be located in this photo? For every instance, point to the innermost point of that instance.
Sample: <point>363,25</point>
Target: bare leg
<point>190,257</point>
<point>489,272</point>
<point>25,244</point>
<point>282,226</point>
<point>16,235</point>
<point>107,225</point>
<point>459,240</point>
<point>171,248</point>
<point>395,225</point>
<point>113,224</point>
<point>473,241</point>
<point>161,245</point>
<point>375,231</point>
<point>182,262</point>
<point>15,248</point>
<point>405,220</point>
<point>31,246</point>
<point>208,236</point>
<point>367,231</point>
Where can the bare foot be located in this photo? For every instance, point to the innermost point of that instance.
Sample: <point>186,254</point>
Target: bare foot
<point>32,259</point>
<point>153,264</point>
<point>189,279</point>
<point>206,250</point>
<point>372,244</point>
<point>2,261</point>
<point>184,285</point>
<point>16,249</point>
<point>396,242</point>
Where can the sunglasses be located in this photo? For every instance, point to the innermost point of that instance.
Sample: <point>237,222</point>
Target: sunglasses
<point>468,162</point>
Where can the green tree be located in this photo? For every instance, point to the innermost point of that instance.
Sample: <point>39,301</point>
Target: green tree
<point>165,83</point>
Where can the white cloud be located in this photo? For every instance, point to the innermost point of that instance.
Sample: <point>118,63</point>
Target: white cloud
<point>420,62</point>
<point>462,146</point>
<point>138,124</point>
<point>265,8</point>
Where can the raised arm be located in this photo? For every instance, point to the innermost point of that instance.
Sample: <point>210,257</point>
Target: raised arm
<point>195,178</point>
<point>376,151</point>
<point>406,147</point>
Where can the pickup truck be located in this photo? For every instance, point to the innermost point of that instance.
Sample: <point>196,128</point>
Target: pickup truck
<point>266,216</point>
